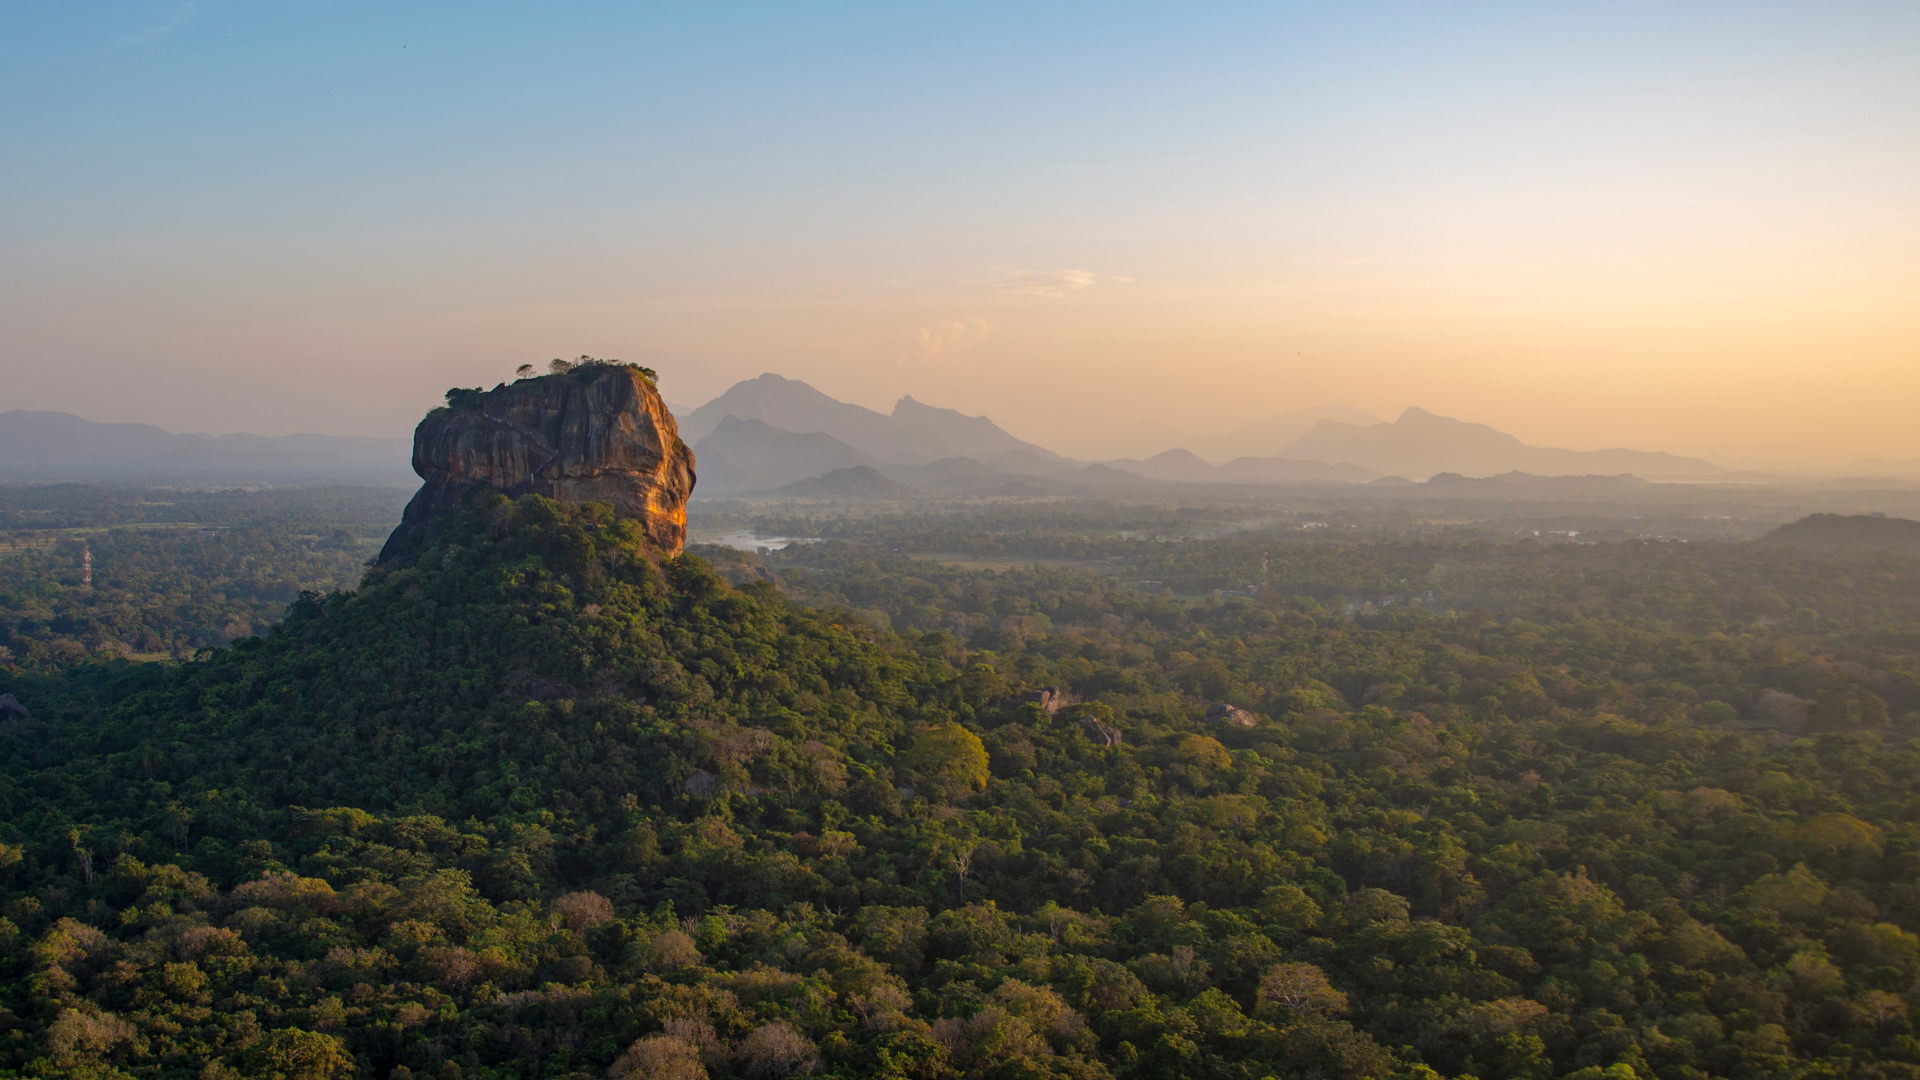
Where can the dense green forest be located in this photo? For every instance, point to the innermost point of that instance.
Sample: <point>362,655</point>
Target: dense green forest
<point>173,571</point>
<point>539,804</point>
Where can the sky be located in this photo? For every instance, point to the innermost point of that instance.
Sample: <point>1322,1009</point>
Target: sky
<point>1684,227</point>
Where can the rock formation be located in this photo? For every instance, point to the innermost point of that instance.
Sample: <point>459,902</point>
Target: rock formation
<point>1104,734</point>
<point>599,433</point>
<point>1232,714</point>
<point>1050,698</point>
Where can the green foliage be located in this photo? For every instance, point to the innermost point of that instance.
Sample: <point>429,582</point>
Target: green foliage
<point>539,804</point>
<point>588,368</point>
<point>167,590</point>
<point>950,759</point>
<point>460,398</point>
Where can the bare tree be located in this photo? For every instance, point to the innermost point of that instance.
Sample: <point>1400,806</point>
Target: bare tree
<point>583,910</point>
<point>963,865</point>
<point>1300,988</point>
<point>82,856</point>
<point>776,1050</point>
<point>659,1057</point>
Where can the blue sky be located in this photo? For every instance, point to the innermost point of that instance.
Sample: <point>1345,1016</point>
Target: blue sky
<point>1590,224</point>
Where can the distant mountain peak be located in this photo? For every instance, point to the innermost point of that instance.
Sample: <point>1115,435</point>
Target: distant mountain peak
<point>1260,438</point>
<point>915,434</point>
<point>1177,455</point>
<point>48,445</point>
<point>1422,443</point>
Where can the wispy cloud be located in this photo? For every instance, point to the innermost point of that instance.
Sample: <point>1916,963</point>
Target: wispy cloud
<point>948,338</point>
<point>1049,283</point>
<point>153,35</point>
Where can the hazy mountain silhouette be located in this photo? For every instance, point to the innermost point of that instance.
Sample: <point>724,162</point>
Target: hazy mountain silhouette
<point>716,475</point>
<point>756,455</point>
<point>1186,466</point>
<point>1259,438</point>
<point>1177,464</point>
<point>950,476</point>
<point>1848,531</point>
<point>915,434</point>
<point>1280,470</point>
<point>1269,436</point>
<point>858,482</point>
<point>1422,444</point>
<point>57,445</point>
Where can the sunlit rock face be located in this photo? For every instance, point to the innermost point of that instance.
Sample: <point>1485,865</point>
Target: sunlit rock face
<point>593,435</point>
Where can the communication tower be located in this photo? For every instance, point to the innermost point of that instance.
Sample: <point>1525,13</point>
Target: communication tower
<point>86,566</point>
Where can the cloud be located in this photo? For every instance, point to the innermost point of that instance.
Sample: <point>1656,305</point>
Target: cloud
<point>1045,283</point>
<point>948,338</point>
<point>153,34</point>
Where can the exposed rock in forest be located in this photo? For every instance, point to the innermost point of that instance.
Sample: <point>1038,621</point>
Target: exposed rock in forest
<point>599,433</point>
<point>1234,715</point>
<point>1103,734</point>
<point>701,785</point>
<point>11,709</point>
<point>1050,698</point>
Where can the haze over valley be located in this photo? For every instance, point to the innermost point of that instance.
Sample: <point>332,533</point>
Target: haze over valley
<point>764,433</point>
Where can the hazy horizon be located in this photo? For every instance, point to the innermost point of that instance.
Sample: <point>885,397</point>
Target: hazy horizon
<point>1689,230</point>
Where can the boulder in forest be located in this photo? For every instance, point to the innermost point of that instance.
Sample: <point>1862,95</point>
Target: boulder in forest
<point>1050,698</point>
<point>1232,714</point>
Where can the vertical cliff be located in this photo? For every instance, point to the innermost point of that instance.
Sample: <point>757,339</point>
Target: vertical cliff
<point>599,433</point>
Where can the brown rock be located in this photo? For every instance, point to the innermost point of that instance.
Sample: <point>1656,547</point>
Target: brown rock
<point>11,709</point>
<point>1050,698</point>
<point>1234,715</point>
<point>1103,734</point>
<point>599,433</point>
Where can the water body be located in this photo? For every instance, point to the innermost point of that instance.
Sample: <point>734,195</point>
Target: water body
<point>746,540</point>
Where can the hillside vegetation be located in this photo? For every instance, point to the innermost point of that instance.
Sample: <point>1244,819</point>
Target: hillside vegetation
<point>1855,531</point>
<point>539,804</point>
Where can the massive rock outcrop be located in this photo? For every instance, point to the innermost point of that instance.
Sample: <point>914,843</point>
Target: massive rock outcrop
<point>599,433</point>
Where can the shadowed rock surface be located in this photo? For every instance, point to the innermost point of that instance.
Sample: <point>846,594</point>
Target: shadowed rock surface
<point>596,434</point>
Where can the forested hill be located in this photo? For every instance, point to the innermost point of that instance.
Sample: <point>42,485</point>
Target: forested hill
<point>539,804</point>
<point>1842,530</point>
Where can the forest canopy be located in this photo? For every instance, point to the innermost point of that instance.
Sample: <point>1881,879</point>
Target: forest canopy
<point>541,803</point>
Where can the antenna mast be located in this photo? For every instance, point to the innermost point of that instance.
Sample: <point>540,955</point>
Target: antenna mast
<point>86,566</point>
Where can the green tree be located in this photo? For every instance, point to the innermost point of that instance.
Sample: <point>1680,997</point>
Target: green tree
<point>950,760</point>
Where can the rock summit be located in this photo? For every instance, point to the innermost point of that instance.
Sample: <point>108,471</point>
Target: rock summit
<point>596,433</point>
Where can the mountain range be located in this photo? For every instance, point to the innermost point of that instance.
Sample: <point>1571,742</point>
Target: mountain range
<point>1185,466</point>
<point>1421,444</point>
<point>766,434</point>
<point>770,432</point>
<point>915,434</point>
<point>1260,438</point>
<point>39,445</point>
